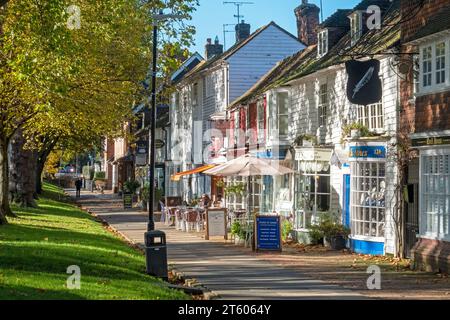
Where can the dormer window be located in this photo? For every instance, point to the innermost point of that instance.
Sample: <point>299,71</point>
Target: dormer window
<point>355,26</point>
<point>322,48</point>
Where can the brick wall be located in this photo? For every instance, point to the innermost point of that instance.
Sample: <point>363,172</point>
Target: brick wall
<point>432,256</point>
<point>429,112</point>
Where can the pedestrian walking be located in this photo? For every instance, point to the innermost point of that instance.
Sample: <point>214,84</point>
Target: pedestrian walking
<point>78,185</point>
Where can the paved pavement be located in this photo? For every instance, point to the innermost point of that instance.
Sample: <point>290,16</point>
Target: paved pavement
<point>228,271</point>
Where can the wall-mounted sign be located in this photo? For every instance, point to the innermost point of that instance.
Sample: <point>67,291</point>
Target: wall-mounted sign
<point>159,144</point>
<point>268,233</point>
<point>313,154</point>
<point>142,147</point>
<point>431,141</point>
<point>216,223</point>
<point>141,160</point>
<point>364,83</point>
<point>367,152</point>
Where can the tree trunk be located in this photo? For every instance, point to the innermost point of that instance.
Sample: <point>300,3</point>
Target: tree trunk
<point>22,172</point>
<point>5,209</point>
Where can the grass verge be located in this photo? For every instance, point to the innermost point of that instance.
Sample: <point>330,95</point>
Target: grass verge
<point>37,248</point>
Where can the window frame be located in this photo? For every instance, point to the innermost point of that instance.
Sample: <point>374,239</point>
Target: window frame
<point>423,215</point>
<point>355,31</point>
<point>356,177</point>
<point>260,121</point>
<point>323,106</point>
<point>434,86</point>
<point>285,115</point>
<point>322,43</point>
<point>367,119</point>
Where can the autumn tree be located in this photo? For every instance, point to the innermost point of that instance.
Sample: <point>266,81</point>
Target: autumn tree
<point>61,77</point>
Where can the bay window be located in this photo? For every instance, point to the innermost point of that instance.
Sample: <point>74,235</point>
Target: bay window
<point>368,207</point>
<point>435,193</point>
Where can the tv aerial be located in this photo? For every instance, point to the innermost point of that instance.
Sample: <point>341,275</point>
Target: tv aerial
<point>238,5</point>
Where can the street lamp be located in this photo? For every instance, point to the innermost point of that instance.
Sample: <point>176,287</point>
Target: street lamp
<point>156,18</point>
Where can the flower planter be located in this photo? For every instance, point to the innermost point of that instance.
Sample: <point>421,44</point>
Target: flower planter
<point>336,243</point>
<point>355,134</point>
<point>239,241</point>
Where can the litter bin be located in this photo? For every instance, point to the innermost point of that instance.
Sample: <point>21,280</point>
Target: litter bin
<point>156,254</point>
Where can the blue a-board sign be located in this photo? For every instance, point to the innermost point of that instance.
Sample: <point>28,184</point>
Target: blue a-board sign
<point>268,234</point>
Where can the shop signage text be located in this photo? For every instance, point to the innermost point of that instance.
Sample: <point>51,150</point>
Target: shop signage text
<point>432,141</point>
<point>268,235</point>
<point>313,155</point>
<point>368,152</point>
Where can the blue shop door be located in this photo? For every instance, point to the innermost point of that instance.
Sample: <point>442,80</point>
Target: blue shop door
<point>346,211</point>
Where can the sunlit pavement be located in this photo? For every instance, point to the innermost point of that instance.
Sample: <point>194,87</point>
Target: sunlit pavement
<point>228,271</point>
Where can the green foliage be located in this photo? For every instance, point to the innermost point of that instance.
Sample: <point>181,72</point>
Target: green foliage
<point>346,130</point>
<point>100,175</point>
<point>286,229</point>
<point>37,248</point>
<point>238,188</point>
<point>88,172</point>
<point>145,192</point>
<point>328,227</point>
<point>305,137</point>
<point>131,186</point>
<point>236,228</point>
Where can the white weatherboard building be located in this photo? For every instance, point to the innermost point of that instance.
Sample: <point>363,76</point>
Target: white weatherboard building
<point>307,113</point>
<point>198,106</point>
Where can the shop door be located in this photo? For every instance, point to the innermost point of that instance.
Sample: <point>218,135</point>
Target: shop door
<point>412,219</point>
<point>346,209</point>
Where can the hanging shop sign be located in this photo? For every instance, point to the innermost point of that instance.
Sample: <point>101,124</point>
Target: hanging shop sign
<point>142,147</point>
<point>268,233</point>
<point>431,141</point>
<point>159,144</point>
<point>367,152</point>
<point>364,83</point>
<point>216,223</point>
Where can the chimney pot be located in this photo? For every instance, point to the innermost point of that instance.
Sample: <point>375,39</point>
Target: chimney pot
<point>307,22</point>
<point>242,31</point>
<point>211,49</point>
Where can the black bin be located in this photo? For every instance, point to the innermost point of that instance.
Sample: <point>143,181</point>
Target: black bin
<point>156,254</point>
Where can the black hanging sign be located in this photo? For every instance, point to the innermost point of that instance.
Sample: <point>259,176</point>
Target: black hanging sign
<point>364,83</point>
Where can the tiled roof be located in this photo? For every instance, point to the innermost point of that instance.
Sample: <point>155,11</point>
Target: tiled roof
<point>306,62</point>
<point>338,19</point>
<point>213,61</point>
<point>438,23</point>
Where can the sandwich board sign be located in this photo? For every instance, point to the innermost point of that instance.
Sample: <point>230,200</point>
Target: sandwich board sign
<point>268,233</point>
<point>216,223</point>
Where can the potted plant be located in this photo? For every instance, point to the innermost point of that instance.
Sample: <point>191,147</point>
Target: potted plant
<point>131,187</point>
<point>305,140</point>
<point>238,233</point>
<point>333,234</point>
<point>355,130</point>
<point>286,230</point>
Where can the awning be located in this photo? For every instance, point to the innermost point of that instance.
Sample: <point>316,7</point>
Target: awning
<point>177,177</point>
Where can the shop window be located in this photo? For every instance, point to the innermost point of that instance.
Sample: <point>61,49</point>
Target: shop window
<point>440,63</point>
<point>372,116</point>
<point>235,201</point>
<point>312,192</point>
<point>368,188</point>
<point>435,195</point>
<point>323,104</point>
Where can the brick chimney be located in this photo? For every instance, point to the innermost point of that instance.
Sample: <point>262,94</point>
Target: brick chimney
<point>211,49</point>
<point>242,31</point>
<point>307,22</point>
